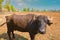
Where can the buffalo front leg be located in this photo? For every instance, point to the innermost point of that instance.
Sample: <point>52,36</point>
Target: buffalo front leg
<point>32,35</point>
<point>9,35</point>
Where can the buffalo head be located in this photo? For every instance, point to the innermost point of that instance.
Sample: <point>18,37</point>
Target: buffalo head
<point>42,20</point>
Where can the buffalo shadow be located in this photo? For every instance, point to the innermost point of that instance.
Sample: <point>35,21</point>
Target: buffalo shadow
<point>4,36</point>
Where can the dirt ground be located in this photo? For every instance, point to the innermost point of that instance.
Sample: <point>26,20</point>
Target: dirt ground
<point>52,32</point>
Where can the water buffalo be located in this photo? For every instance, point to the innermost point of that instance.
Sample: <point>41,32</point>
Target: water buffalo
<point>26,23</point>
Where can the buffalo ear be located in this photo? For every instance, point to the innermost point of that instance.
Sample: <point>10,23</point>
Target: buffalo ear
<point>49,23</point>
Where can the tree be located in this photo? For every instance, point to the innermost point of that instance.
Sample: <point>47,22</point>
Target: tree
<point>1,4</point>
<point>9,7</point>
<point>44,10</point>
<point>26,9</point>
<point>32,10</point>
<point>37,10</point>
<point>13,8</point>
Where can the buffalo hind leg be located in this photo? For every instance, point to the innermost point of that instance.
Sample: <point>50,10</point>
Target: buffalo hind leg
<point>32,35</point>
<point>9,35</point>
<point>13,35</point>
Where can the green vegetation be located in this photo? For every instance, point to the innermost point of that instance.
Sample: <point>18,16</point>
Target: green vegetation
<point>7,6</point>
<point>26,10</point>
<point>30,10</point>
<point>1,5</point>
<point>10,7</point>
<point>13,8</point>
<point>36,10</point>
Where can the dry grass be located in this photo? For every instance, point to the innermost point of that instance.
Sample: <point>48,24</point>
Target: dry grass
<point>52,32</point>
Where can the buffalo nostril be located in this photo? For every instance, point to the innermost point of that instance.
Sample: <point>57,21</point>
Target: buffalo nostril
<point>42,32</point>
